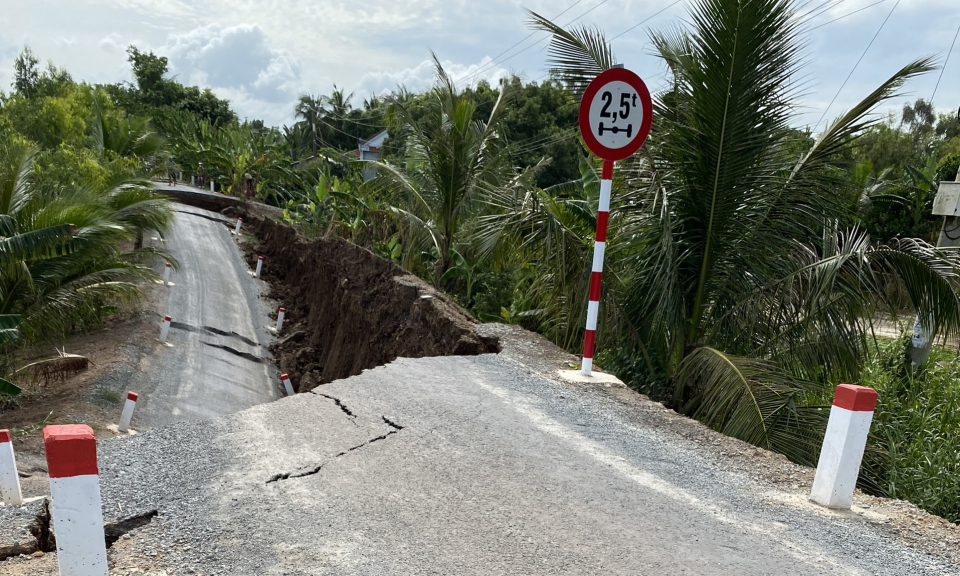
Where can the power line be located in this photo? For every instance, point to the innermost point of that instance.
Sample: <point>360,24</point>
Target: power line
<point>944,67</point>
<point>645,20</point>
<point>845,15</point>
<point>535,31</point>
<point>490,65</point>
<point>856,65</point>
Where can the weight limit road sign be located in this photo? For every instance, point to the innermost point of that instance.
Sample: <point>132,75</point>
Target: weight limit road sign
<point>615,116</point>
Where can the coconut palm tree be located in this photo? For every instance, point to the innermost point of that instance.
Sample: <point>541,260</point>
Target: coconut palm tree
<point>452,162</point>
<point>311,110</point>
<point>740,293</point>
<point>70,250</point>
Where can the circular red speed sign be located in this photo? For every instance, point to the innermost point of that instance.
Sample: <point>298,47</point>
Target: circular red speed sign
<point>615,114</point>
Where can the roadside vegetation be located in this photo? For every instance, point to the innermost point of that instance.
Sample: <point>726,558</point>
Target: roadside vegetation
<point>749,258</point>
<point>75,205</point>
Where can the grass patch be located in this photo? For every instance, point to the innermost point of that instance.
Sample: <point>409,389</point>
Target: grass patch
<point>914,451</point>
<point>103,395</point>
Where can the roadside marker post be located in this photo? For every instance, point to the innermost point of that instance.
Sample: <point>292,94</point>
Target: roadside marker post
<point>165,329</point>
<point>127,414</point>
<point>239,222</point>
<point>166,274</point>
<point>615,117</point>
<point>259,266</point>
<point>280,319</point>
<point>10,491</point>
<point>843,446</point>
<point>75,497</point>
<point>211,185</point>
<point>286,384</point>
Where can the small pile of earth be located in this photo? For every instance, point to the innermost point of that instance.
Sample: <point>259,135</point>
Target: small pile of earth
<point>348,310</point>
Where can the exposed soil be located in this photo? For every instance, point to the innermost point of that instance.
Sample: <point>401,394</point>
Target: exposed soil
<point>348,310</point>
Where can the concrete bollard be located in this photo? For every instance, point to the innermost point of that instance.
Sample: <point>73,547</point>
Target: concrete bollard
<point>127,414</point>
<point>211,185</point>
<point>239,222</point>
<point>286,384</point>
<point>9,480</point>
<point>75,498</point>
<point>165,329</point>
<point>193,180</point>
<point>280,319</point>
<point>843,446</point>
<point>259,266</point>
<point>166,274</point>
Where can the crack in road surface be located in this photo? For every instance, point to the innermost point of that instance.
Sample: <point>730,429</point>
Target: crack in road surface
<point>221,220</point>
<point>312,471</point>
<point>234,351</point>
<point>216,331</point>
<point>339,404</point>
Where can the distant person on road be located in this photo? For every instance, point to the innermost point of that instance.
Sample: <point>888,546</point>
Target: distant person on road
<point>173,177</point>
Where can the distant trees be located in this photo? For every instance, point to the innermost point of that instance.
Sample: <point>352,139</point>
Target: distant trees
<point>155,96</point>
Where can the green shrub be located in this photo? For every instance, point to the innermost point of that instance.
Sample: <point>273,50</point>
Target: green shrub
<point>915,445</point>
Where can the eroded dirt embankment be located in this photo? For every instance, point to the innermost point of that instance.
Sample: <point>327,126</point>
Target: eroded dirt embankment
<point>347,309</point>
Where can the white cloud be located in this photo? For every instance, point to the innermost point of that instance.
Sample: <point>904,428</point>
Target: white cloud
<point>421,77</point>
<point>237,58</point>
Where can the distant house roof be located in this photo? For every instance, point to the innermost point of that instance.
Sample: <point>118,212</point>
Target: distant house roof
<point>374,142</point>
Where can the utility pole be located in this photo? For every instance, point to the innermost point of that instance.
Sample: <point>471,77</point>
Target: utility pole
<point>946,204</point>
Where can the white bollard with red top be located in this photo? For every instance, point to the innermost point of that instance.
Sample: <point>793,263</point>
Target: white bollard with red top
<point>75,498</point>
<point>843,446</point>
<point>239,222</point>
<point>9,480</point>
<point>165,329</point>
<point>127,414</point>
<point>280,319</point>
<point>286,384</point>
<point>166,274</point>
<point>259,266</point>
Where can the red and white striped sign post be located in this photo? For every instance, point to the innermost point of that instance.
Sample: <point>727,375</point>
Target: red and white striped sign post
<point>843,446</point>
<point>75,497</point>
<point>10,491</point>
<point>615,116</point>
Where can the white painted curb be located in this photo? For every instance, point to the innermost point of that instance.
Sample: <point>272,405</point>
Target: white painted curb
<point>286,384</point>
<point>127,414</point>
<point>259,266</point>
<point>280,319</point>
<point>843,446</point>
<point>9,481</point>
<point>239,222</point>
<point>166,274</point>
<point>75,496</point>
<point>165,329</point>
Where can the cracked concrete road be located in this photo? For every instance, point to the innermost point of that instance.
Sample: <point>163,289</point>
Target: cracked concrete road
<point>469,466</point>
<point>216,360</point>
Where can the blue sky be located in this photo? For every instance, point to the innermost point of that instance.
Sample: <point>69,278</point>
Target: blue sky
<point>261,54</point>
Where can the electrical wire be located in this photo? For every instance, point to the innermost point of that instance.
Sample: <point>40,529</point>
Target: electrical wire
<point>944,67</point>
<point>525,38</point>
<point>855,66</point>
<point>845,15</point>
<point>645,20</point>
<point>490,65</point>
